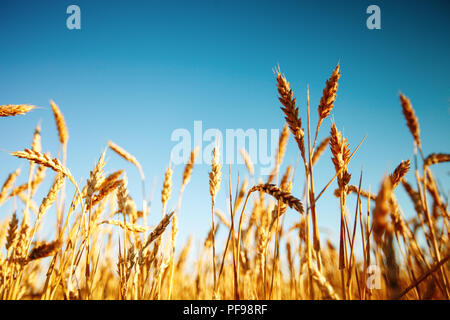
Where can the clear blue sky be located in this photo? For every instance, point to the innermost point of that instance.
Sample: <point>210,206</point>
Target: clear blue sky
<point>137,70</point>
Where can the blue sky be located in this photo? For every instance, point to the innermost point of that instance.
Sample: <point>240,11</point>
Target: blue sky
<point>138,70</point>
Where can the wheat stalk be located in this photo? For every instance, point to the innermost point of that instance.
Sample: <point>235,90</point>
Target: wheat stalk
<point>215,177</point>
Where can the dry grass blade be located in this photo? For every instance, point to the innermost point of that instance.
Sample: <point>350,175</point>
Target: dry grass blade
<point>15,109</point>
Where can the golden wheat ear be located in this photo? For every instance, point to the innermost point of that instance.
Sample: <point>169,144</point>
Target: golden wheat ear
<point>382,208</point>
<point>280,195</point>
<point>329,95</point>
<point>290,110</point>
<point>63,132</point>
<point>45,160</point>
<point>436,158</point>
<point>166,191</point>
<point>399,173</point>
<point>126,156</point>
<point>7,185</point>
<point>44,250</point>
<point>12,110</point>
<point>411,119</point>
<point>215,176</point>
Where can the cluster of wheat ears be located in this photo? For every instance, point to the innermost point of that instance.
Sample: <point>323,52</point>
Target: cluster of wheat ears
<point>103,247</point>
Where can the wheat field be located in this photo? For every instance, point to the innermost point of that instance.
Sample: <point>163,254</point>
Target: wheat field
<point>104,248</point>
